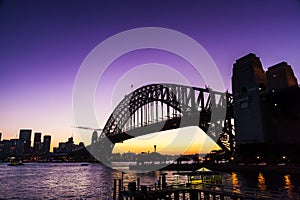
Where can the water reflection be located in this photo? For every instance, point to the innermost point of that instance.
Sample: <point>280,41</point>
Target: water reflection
<point>261,183</point>
<point>288,185</point>
<point>73,181</point>
<point>235,182</point>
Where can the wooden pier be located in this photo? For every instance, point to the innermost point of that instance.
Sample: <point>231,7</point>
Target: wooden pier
<point>195,192</point>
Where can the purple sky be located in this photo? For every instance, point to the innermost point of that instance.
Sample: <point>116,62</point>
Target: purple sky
<point>43,43</point>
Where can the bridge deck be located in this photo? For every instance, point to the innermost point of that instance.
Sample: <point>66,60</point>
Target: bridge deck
<point>170,124</point>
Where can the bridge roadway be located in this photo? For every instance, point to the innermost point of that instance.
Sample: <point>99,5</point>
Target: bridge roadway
<point>164,125</point>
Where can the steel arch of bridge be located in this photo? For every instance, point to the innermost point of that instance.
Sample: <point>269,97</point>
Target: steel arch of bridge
<point>193,107</point>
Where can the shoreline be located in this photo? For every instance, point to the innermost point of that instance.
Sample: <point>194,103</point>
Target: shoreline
<point>288,168</point>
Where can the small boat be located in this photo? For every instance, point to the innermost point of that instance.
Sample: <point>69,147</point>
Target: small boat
<point>14,162</point>
<point>84,164</point>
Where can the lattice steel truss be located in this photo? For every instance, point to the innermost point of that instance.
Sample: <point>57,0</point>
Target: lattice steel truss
<point>171,106</point>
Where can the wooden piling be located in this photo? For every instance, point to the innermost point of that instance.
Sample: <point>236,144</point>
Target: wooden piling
<point>115,190</point>
<point>176,195</point>
<point>193,195</point>
<point>120,189</point>
<point>138,183</point>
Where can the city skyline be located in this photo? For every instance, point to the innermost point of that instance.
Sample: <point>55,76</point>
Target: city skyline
<point>44,44</point>
<point>34,139</point>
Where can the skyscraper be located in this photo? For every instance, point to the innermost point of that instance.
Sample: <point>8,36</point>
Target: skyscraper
<point>24,141</point>
<point>0,136</point>
<point>37,142</point>
<point>46,144</point>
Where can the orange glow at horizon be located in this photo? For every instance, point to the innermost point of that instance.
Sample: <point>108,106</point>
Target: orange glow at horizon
<point>188,140</point>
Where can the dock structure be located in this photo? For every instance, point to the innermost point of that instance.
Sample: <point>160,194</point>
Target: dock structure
<point>196,192</point>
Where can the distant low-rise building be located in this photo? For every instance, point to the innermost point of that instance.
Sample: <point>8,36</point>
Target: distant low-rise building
<point>67,147</point>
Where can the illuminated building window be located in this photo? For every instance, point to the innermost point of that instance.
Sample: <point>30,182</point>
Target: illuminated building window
<point>261,87</point>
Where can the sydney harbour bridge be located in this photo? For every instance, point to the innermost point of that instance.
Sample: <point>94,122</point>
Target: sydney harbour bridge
<point>160,107</point>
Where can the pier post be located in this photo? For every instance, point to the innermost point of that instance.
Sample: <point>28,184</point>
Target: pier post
<point>176,195</point>
<point>164,182</point>
<point>122,180</point>
<point>193,195</point>
<point>206,195</point>
<point>115,190</point>
<point>159,182</point>
<point>120,188</point>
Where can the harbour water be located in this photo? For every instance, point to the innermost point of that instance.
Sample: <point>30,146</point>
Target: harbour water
<point>95,181</point>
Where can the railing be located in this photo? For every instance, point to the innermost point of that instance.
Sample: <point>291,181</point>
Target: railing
<point>220,189</point>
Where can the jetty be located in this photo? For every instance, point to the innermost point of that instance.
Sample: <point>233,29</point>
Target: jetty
<point>201,192</point>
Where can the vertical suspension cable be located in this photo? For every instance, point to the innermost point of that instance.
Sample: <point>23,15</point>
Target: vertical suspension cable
<point>137,117</point>
<point>156,103</point>
<point>141,115</point>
